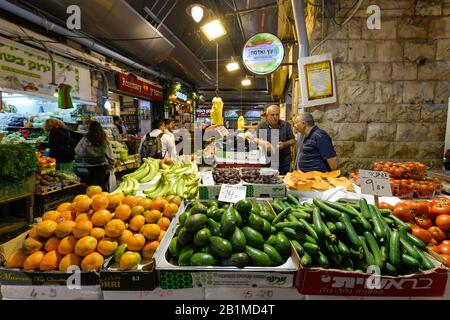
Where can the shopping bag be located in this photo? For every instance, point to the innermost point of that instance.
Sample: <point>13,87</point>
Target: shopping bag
<point>112,182</point>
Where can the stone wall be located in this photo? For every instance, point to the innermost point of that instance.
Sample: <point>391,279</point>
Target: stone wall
<point>393,84</point>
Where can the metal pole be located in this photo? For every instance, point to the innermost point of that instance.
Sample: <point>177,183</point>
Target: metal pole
<point>300,25</point>
<point>217,68</point>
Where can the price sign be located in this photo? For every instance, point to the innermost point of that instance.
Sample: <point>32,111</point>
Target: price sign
<point>232,193</point>
<point>207,178</point>
<point>376,183</point>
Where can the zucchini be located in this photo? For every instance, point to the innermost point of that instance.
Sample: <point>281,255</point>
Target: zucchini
<point>416,241</point>
<point>311,248</point>
<point>292,199</point>
<point>309,228</point>
<point>290,233</point>
<point>332,227</point>
<point>410,262</point>
<point>394,249</point>
<point>318,224</point>
<point>293,225</point>
<point>385,212</point>
<point>357,253</point>
<point>390,269</point>
<point>291,218</point>
<point>276,207</point>
<point>360,217</point>
<point>306,260</point>
<point>351,233</point>
<point>298,247</point>
<point>425,262</point>
<point>281,215</point>
<point>347,264</point>
<point>322,261</point>
<point>299,214</point>
<point>343,249</point>
<point>387,229</point>
<point>399,222</point>
<point>378,226</point>
<point>384,252</point>
<point>327,209</point>
<point>332,250</point>
<point>328,233</point>
<point>373,245</point>
<point>370,260</point>
<point>339,207</point>
<point>305,238</point>
<point>410,250</point>
<point>389,221</point>
<point>340,226</point>
<point>364,208</point>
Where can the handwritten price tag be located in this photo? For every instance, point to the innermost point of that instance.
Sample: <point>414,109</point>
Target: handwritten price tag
<point>232,193</point>
<point>376,183</point>
<point>207,178</point>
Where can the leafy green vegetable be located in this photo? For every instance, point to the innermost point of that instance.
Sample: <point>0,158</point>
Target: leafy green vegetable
<point>17,161</point>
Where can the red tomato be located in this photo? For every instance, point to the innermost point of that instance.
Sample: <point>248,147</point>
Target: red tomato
<point>422,234</point>
<point>384,205</point>
<point>434,248</point>
<point>446,242</point>
<point>438,209</point>
<point>403,213</point>
<point>419,207</point>
<point>444,249</point>
<point>446,258</point>
<point>437,233</point>
<point>423,221</point>
<point>443,222</point>
<point>441,200</point>
<point>433,241</point>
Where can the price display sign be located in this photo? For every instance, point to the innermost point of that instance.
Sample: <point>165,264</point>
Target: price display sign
<point>376,183</point>
<point>232,193</point>
<point>207,178</point>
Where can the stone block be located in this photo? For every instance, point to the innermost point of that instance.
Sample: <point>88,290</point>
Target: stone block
<point>389,51</point>
<point>440,28</point>
<point>372,112</point>
<point>411,132</point>
<point>331,128</point>
<point>433,150</point>
<point>355,91</point>
<point>434,113</point>
<point>388,31</point>
<point>446,9</point>
<point>425,8</point>
<point>344,148</point>
<point>418,91</point>
<point>442,92</point>
<point>317,115</point>
<point>338,48</point>
<point>354,27</point>
<point>403,150</point>
<point>380,71</point>
<point>342,113</point>
<point>370,149</point>
<point>361,51</point>
<point>351,71</point>
<point>388,92</point>
<point>435,70</point>
<point>436,132</point>
<point>351,132</point>
<point>403,113</point>
<point>411,31</point>
<point>381,131</point>
<point>414,50</point>
<point>404,71</point>
<point>348,165</point>
<point>399,4</point>
<point>443,49</point>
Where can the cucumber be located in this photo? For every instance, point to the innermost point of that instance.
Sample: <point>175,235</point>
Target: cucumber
<point>273,255</point>
<point>283,246</point>
<point>343,249</point>
<point>322,261</point>
<point>332,227</point>
<point>350,231</point>
<point>394,249</point>
<point>364,208</point>
<point>340,207</point>
<point>290,233</point>
<point>299,214</point>
<point>347,264</point>
<point>272,240</point>
<point>276,207</point>
<point>257,257</point>
<point>370,260</point>
<point>311,248</point>
<point>327,209</point>
<point>416,241</point>
<point>309,228</point>
<point>330,248</point>
<point>385,212</point>
<point>298,247</point>
<point>425,262</point>
<point>265,214</point>
<point>305,238</point>
<point>291,218</point>
<point>340,226</point>
<point>399,222</point>
<point>378,226</point>
<point>317,222</point>
<point>306,260</point>
<point>373,245</point>
<point>328,233</point>
<point>281,215</point>
<point>389,221</point>
<point>384,252</point>
<point>387,229</point>
<point>361,219</point>
<point>293,200</point>
<point>409,249</point>
<point>293,225</point>
<point>359,254</point>
<point>410,262</point>
<point>390,269</point>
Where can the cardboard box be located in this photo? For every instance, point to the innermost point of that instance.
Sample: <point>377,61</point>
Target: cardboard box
<point>18,277</point>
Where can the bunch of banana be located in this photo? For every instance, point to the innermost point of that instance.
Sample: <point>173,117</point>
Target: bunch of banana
<point>151,166</point>
<point>161,188</point>
<point>216,111</point>
<point>128,186</point>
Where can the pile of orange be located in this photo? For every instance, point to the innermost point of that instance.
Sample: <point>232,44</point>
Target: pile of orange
<point>83,233</point>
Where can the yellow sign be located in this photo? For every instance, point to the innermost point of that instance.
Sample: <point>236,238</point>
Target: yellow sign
<point>319,81</point>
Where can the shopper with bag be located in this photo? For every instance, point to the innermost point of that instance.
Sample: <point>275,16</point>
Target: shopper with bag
<point>96,155</point>
<point>156,144</point>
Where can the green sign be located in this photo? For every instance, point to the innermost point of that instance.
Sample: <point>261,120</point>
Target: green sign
<point>263,53</point>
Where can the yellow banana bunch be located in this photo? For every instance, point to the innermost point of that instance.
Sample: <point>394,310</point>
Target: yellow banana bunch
<point>216,111</point>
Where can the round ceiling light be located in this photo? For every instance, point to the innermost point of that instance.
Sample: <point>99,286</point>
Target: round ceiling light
<point>196,11</point>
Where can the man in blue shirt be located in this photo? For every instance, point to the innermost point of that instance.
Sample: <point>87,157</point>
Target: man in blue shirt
<point>315,151</point>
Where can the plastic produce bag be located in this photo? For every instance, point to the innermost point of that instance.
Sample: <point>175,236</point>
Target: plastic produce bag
<point>112,182</point>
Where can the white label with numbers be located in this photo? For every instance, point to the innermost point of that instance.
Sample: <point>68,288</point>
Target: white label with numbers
<point>376,183</point>
<point>232,193</point>
<point>207,178</point>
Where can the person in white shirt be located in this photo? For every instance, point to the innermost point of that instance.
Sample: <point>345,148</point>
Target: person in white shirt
<point>156,144</point>
<point>170,127</point>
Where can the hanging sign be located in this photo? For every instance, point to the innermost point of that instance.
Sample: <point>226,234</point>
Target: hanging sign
<point>203,113</point>
<point>136,87</point>
<point>23,68</point>
<point>181,96</point>
<point>317,80</point>
<point>263,53</point>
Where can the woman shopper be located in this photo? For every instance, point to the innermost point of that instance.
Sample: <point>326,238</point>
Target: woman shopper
<point>95,153</point>
<point>61,142</point>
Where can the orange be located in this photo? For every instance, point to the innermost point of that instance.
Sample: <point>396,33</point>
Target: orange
<point>97,233</point>
<point>123,212</point>
<point>85,246</point>
<point>107,246</point>
<point>136,223</point>
<point>151,231</point>
<point>146,203</point>
<point>139,199</point>
<point>46,228</point>
<point>65,216</point>
<point>50,261</point>
<point>101,218</point>
<point>33,233</point>
<point>16,259</point>
<point>51,215</point>
<point>136,242</point>
<point>82,216</point>
<point>170,210</point>
<point>164,223</point>
<point>114,228</point>
<point>153,216</point>
<point>149,249</point>
<point>65,228</point>
<point>131,201</point>
<point>126,234</point>
<point>52,244</point>
<point>93,190</point>
<point>114,200</point>
<point>31,245</point>
<point>92,261</point>
<point>65,206</point>
<point>82,229</point>
<point>83,204</point>
<point>137,210</point>
<point>67,245</point>
<point>71,259</point>
<point>176,200</point>
<point>99,202</point>
<point>32,261</point>
<point>161,235</point>
<point>158,204</point>
<point>129,260</point>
